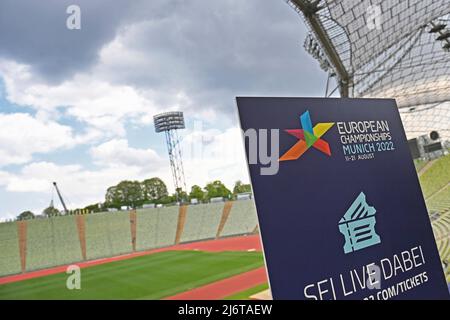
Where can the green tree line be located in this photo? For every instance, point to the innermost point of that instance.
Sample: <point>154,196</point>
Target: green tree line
<point>135,194</point>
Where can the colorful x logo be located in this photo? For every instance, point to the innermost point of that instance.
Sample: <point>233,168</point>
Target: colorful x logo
<point>308,137</point>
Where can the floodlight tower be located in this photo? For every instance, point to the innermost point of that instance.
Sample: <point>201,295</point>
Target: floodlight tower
<point>169,123</point>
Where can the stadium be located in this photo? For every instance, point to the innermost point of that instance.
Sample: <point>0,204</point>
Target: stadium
<point>212,250</point>
<point>156,253</point>
<point>167,245</point>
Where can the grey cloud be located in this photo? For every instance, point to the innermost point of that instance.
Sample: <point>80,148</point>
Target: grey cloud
<point>35,33</point>
<point>219,49</point>
<point>211,50</point>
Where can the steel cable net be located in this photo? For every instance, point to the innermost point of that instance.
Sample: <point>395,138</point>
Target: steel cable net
<point>388,49</point>
<point>422,120</point>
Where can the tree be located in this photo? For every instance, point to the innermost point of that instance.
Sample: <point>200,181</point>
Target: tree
<point>166,200</point>
<point>26,215</point>
<point>112,198</point>
<point>153,189</point>
<point>197,193</point>
<point>126,193</point>
<point>51,212</point>
<point>239,187</point>
<point>98,207</point>
<point>130,193</point>
<point>217,189</point>
<point>180,195</point>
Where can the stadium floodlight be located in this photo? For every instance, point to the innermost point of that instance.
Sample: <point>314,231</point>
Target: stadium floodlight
<point>437,28</point>
<point>443,36</point>
<point>170,123</point>
<point>313,48</point>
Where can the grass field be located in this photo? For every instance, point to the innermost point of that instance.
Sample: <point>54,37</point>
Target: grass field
<point>152,276</point>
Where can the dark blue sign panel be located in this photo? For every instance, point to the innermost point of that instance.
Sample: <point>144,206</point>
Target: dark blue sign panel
<point>340,207</point>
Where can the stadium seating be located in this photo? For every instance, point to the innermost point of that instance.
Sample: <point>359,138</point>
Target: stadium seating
<point>242,219</point>
<point>39,244</point>
<point>166,226</point>
<point>436,177</point>
<point>419,164</point>
<point>439,202</point>
<point>444,251</point>
<point>146,229</point>
<point>202,222</point>
<point>107,234</point>
<point>55,241</point>
<point>52,242</point>
<point>9,249</point>
<point>65,240</point>
<point>156,227</point>
<point>435,183</point>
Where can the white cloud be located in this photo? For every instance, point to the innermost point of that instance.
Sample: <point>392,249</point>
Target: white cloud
<point>85,97</point>
<point>22,135</point>
<point>213,154</point>
<point>208,155</point>
<point>79,186</point>
<point>117,152</point>
<point>158,58</point>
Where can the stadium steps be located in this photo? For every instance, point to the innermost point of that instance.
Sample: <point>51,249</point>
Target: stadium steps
<point>242,219</point>
<point>81,228</point>
<point>181,222</point>
<point>223,220</point>
<point>425,167</point>
<point>133,222</point>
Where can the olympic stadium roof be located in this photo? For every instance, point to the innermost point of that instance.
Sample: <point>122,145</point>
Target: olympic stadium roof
<point>386,49</point>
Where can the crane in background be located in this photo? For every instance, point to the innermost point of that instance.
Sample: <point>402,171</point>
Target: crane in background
<point>60,198</point>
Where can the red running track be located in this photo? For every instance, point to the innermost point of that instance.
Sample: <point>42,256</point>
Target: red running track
<point>244,243</point>
<point>224,288</point>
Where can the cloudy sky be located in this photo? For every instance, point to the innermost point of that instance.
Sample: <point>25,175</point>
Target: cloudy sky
<point>76,106</point>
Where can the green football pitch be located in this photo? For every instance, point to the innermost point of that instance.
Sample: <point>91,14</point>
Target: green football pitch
<point>152,276</point>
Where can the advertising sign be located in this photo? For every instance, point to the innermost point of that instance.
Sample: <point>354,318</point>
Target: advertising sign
<point>340,208</point>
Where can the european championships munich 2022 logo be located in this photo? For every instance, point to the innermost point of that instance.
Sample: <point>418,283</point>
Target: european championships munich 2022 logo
<point>358,223</point>
<point>308,137</point>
